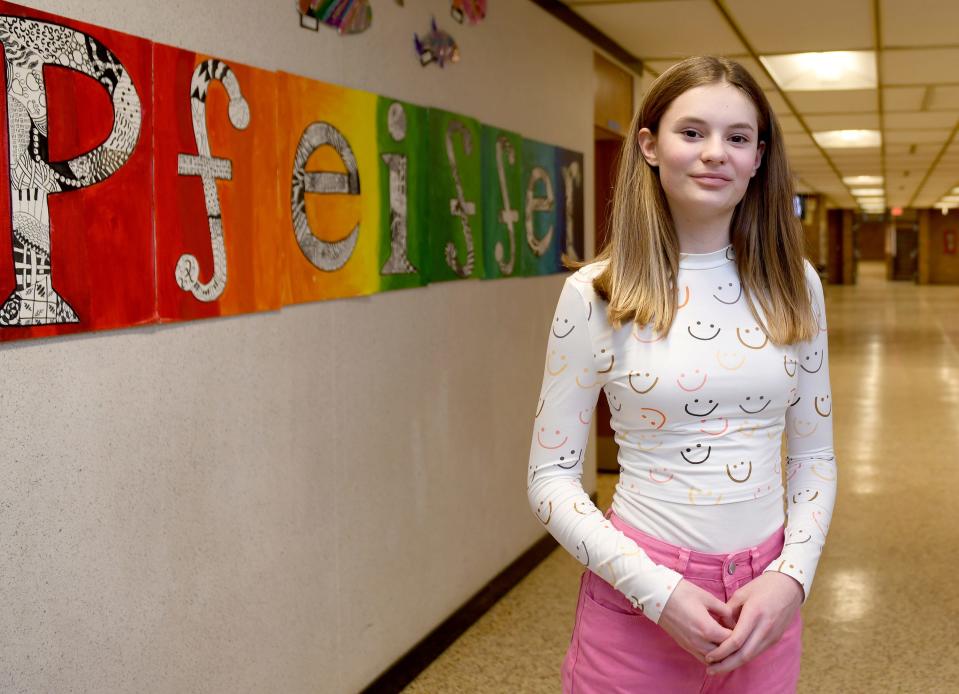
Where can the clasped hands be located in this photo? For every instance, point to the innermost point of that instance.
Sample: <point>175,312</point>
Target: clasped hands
<point>725,635</point>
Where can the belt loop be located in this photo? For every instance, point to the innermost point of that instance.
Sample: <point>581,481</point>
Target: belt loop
<point>755,562</point>
<point>682,561</point>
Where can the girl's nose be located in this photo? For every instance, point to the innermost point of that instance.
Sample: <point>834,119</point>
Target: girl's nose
<point>713,150</point>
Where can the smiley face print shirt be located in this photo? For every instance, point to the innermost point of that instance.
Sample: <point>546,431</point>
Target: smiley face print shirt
<point>699,416</point>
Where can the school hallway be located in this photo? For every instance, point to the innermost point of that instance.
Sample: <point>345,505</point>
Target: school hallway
<point>881,617</point>
<point>280,289</point>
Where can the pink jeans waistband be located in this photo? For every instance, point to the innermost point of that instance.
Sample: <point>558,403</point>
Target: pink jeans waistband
<point>727,568</point>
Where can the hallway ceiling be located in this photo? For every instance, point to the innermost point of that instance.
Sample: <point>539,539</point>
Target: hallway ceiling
<point>915,107</point>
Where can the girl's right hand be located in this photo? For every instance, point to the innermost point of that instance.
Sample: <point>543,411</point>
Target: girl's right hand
<point>689,618</point>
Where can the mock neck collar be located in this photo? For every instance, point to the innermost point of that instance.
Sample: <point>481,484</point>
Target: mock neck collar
<point>705,261</point>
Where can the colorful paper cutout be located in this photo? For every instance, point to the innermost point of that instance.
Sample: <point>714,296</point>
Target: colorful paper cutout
<point>473,11</point>
<point>541,240</point>
<point>346,16</point>
<point>216,187</point>
<point>328,153</point>
<point>77,255</point>
<point>436,46</point>
<point>502,203</point>
<point>404,202</point>
<point>569,217</point>
<point>456,197</point>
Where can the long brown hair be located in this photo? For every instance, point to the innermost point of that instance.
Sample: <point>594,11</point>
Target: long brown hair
<point>643,250</point>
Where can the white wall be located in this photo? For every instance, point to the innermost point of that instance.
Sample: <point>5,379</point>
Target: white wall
<point>287,501</point>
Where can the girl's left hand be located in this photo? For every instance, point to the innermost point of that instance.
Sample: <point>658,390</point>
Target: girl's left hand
<point>763,608</point>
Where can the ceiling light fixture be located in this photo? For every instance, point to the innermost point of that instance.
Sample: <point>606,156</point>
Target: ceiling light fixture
<point>863,180</point>
<point>840,139</point>
<point>823,70</point>
<point>944,207</point>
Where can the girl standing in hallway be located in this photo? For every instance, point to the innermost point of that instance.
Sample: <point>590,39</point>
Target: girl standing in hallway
<point>705,327</point>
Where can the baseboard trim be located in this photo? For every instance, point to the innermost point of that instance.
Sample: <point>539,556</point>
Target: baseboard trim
<point>419,657</point>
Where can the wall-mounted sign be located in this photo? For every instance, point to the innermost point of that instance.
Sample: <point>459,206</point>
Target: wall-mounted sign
<point>949,242</point>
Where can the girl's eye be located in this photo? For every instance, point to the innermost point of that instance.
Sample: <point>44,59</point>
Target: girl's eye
<point>690,133</point>
<point>740,139</point>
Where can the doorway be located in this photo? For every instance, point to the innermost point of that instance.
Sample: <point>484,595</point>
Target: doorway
<point>905,259</point>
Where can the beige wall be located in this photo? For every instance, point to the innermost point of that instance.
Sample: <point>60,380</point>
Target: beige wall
<point>285,502</point>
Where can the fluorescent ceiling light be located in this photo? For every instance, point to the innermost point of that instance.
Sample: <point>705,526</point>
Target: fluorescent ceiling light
<point>821,71</point>
<point>834,139</point>
<point>871,200</point>
<point>955,190</point>
<point>950,198</point>
<point>867,192</point>
<point>864,181</point>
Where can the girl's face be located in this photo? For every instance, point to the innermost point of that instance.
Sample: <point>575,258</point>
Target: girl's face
<point>707,149</point>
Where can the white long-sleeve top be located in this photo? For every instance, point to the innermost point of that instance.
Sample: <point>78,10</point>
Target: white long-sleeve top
<point>699,415</point>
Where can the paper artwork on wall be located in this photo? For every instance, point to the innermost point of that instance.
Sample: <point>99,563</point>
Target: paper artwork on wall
<point>471,11</point>
<point>436,46</point>
<point>78,252</point>
<point>456,195</point>
<point>329,189</point>
<point>149,183</point>
<point>346,16</point>
<point>569,217</point>
<point>502,202</point>
<point>402,131</point>
<point>542,243</point>
<point>216,187</point>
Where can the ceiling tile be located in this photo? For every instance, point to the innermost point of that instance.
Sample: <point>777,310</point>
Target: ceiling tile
<point>853,121</point>
<point>930,148</point>
<point>673,29</point>
<point>924,23</point>
<point>902,98</point>
<point>836,101</point>
<point>811,25</point>
<point>907,120</point>
<point>798,139</point>
<point>777,102</point>
<point>919,66</point>
<point>916,136</point>
<point>790,124</point>
<point>798,151</point>
<point>913,166</point>
<point>944,97</point>
<point>816,176</point>
<point>860,167</point>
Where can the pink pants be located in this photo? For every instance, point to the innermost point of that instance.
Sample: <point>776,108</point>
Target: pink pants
<point>614,648</point>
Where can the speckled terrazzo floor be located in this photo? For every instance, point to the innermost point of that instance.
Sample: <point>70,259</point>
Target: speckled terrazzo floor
<point>884,612</point>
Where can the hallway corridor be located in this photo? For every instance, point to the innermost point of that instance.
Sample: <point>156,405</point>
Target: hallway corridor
<point>882,616</point>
